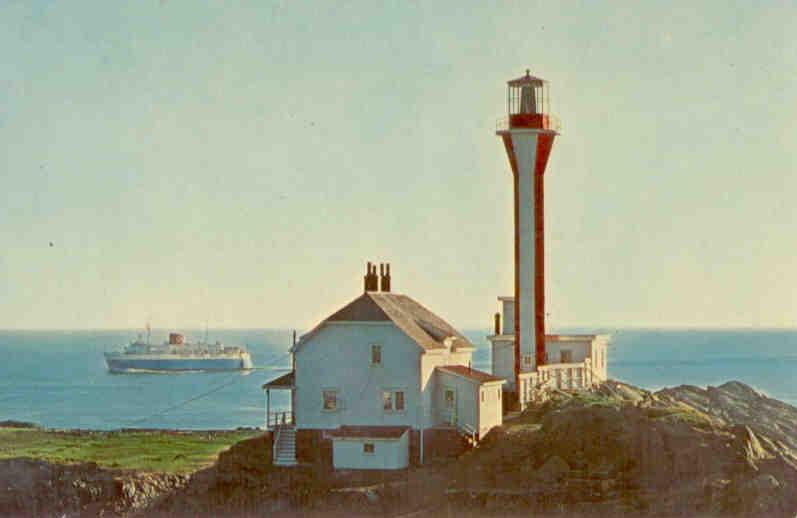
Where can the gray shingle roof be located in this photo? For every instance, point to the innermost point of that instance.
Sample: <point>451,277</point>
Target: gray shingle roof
<point>361,309</point>
<point>425,328</point>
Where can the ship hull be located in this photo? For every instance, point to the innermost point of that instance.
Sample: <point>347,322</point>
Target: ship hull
<point>172,363</point>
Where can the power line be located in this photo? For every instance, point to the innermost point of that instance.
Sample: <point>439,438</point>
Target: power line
<point>274,359</point>
<point>186,402</point>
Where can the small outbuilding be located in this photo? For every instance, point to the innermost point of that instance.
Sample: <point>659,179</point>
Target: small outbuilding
<point>370,447</point>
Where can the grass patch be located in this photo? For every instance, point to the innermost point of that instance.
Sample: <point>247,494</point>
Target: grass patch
<point>679,413</point>
<point>591,399</point>
<point>156,451</point>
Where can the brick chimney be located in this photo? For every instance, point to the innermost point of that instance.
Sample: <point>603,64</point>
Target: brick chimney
<point>370,281</point>
<point>384,277</point>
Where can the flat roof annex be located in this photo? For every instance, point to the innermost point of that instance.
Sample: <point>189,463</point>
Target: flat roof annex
<point>477,376</point>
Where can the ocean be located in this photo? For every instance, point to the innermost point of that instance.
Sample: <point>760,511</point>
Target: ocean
<point>58,379</point>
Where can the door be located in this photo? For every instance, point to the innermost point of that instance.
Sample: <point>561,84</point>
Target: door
<point>450,406</point>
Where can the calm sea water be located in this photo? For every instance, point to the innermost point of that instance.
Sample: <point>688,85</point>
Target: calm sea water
<point>58,378</point>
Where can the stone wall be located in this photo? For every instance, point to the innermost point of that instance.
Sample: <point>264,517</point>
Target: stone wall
<point>312,447</point>
<point>437,443</point>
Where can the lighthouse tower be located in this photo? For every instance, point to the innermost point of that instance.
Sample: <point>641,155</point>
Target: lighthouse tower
<point>528,133</point>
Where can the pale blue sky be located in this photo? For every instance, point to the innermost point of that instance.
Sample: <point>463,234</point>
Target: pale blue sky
<point>240,162</point>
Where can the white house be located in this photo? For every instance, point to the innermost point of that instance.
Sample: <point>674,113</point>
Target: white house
<point>380,383</point>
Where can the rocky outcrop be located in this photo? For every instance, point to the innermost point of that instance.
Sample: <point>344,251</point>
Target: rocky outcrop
<point>737,403</point>
<point>30,487</point>
<point>238,482</point>
<point>678,452</point>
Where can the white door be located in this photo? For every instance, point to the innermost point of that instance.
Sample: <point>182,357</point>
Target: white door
<point>450,406</point>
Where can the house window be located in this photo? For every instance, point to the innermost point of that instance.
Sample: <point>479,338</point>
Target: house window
<point>482,396</point>
<point>368,448</point>
<point>393,401</point>
<point>449,399</point>
<point>330,399</point>
<point>376,355</point>
<point>566,356</point>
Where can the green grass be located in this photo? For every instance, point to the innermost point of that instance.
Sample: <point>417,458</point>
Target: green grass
<point>588,399</point>
<point>680,413</point>
<point>154,451</point>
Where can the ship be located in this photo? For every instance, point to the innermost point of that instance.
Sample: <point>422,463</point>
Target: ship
<point>177,355</point>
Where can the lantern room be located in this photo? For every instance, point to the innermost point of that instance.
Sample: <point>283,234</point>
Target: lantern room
<point>528,104</point>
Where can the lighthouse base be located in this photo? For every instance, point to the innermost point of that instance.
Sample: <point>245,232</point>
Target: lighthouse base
<point>572,363</point>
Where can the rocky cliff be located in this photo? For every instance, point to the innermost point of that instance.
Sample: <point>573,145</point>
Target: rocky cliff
<point>685,451</point>
<point>31,487</point>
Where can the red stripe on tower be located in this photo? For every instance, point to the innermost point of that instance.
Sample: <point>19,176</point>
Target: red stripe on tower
<point>544,145</point>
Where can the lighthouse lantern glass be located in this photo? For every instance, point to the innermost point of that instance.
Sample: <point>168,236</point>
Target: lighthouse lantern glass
<point>528,99</point>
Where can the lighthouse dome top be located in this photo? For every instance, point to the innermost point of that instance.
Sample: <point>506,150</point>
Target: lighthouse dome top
<point>527,79</point>
<point>528,106</point>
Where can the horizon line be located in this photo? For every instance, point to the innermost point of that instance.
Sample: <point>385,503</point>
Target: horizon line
<point>607,328</point>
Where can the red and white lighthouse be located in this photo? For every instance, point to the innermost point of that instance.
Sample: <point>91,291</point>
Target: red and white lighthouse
<point>528,133</point>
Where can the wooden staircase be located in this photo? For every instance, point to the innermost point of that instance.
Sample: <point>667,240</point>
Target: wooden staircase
<point>284,453</point>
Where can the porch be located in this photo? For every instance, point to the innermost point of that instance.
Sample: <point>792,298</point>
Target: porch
<point>282,418</point>
<point>282,423</point>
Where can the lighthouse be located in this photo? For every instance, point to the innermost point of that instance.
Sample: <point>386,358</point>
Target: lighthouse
<point>528,134</point>
<point>530,360</point>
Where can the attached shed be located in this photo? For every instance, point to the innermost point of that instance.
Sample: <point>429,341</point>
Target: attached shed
<point>370,447</point>
<point>469,399</point>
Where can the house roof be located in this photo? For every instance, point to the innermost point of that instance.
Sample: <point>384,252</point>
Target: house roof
<point>478,376</point>
<point>285,381</point>
<point>425,328</point>
<point>369,432</point>
<point>360,309</point>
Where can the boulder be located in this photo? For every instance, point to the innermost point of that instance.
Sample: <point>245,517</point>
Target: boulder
<point>553,470</point>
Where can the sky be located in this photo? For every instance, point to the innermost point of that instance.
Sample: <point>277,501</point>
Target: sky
<point>237,163</point>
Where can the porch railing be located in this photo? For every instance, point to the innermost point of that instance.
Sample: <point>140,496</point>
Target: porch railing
<point>563,376</point>
<point>279,419</point>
